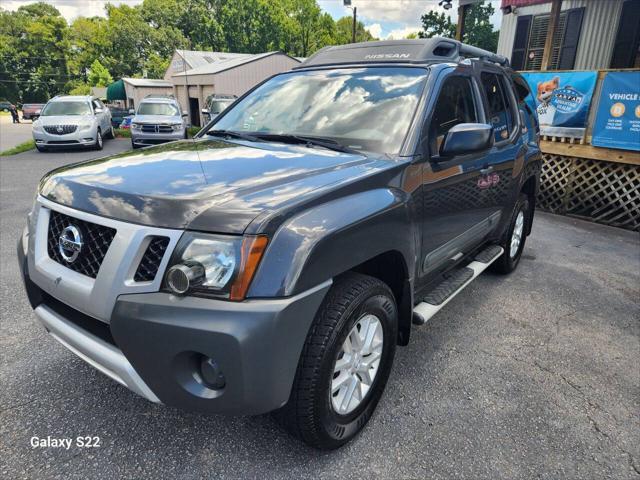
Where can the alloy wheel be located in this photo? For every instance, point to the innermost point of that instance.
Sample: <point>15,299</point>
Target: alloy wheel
<point>357,364</point>
<point>516,236</point>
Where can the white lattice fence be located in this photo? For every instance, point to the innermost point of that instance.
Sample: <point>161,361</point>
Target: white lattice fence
<point>605,192</point>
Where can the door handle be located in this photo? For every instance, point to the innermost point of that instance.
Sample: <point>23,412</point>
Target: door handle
<point>486,170</point>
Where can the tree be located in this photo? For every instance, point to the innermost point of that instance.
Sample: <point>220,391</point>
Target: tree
<point>478,30</point>
<point>437,25</point>
<point>344,28</point>
<point>33,53</point>
<point>98,75</point>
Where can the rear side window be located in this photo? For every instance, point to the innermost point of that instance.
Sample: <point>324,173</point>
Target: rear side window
<point>500,113</point>
<point>455,105</point>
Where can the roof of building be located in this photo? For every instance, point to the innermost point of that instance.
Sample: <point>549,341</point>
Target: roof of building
<point>147,82</point>
<point>200,58</point>
<point>233,62</point>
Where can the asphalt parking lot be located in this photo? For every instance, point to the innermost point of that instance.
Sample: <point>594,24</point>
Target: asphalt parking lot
<point>535,375</point>
<point>12,134</point>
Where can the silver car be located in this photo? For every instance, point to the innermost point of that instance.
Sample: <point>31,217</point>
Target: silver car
<point>72,121</point>
<point>158,120</point>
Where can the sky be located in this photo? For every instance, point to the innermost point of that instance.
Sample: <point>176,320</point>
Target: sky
<point>383,18</point>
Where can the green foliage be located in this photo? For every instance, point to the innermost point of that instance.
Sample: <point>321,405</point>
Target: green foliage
<point>478,30</point>
<point>41,55</point>
<point>23,147</point>
<point>437,25</point>
<point>191,131</point>
<point>80,88</point>
<point>122,132</point>
<point>99,76</point>
<point>344,27</point>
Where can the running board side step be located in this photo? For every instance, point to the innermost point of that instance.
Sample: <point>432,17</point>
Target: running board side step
<point>454,284</point>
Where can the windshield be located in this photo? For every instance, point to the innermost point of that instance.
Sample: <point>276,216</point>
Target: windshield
<point>217,106</point>
<point>149,108</point>
<point>364,109</point>
<point>66,108</point>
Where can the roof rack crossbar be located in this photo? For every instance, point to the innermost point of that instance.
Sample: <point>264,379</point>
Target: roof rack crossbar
<point>422,51</point>
<point>469,51</point>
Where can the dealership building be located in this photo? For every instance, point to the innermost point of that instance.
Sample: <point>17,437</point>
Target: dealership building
<point>193,76</point>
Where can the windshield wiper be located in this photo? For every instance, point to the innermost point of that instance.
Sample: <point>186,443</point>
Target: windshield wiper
<point>303,139</point>
<point>233,134</point>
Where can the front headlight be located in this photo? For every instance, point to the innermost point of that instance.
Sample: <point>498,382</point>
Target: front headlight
<point>37,126</point>
<point>136,126</point>
<point>176,127</point>
<point>214,265</point>
<point>85,126</point>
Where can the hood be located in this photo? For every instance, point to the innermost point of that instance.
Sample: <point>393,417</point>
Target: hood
<point>207,185</point>
<point>157,119</point>
<point>66,119</point>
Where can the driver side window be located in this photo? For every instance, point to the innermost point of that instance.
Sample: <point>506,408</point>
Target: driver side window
<point>455,105</point>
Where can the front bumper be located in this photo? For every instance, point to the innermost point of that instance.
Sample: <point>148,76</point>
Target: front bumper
<point>148,138</point>
<point>79,138</point>
<point>154,341</point>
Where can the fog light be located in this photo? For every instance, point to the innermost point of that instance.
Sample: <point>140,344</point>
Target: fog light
<point>211,373</point>
<point>185,275</point>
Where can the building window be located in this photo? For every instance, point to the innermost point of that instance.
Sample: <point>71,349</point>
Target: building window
<point>531,34</point>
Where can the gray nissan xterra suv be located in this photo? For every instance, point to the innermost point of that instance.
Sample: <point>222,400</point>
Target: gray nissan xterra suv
<point>274,262</point>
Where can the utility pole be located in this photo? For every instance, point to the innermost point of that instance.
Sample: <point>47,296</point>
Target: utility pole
<point>462,13</point>
<point>347,3</point>
<point>353,31</point>
<point>551,31</point>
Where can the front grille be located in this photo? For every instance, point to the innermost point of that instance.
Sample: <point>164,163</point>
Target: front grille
<point>150,262</point>
<point>165,129</point>
<point>149,128</point>
<point>95,238</point>
<point>60,129</point>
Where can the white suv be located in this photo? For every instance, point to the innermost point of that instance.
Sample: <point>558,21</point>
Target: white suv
<point>72,121</point>
<point>159,119</point>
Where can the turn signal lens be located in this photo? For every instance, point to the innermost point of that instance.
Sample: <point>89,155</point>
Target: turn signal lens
<point>251,252</point>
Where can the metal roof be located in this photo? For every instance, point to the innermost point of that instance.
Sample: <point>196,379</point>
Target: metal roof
<point>147,82</point>
<point>200,58</point>
<point>228,64</point>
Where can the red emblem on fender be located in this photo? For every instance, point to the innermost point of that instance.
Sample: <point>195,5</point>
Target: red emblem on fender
<point>488,181</point>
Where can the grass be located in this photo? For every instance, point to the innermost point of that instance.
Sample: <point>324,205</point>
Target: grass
<point>191,131</point>
<point>122,132</point>
<point>23,147</point>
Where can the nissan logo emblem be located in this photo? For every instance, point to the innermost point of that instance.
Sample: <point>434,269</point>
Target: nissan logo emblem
<point>70,243</point>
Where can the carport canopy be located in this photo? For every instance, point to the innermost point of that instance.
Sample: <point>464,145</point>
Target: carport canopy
<point>116,91</point>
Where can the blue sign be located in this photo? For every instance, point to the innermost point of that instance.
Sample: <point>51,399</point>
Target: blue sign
<point>562,101</point>
<point>618,117</point>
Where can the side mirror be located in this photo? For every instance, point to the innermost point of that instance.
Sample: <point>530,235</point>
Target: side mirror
<point>98,110</point>
<point>467,138</point>
<point>132,111</point>
<point>205,111</point>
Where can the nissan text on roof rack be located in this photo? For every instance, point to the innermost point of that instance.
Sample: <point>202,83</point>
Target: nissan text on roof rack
<point>274,262</point>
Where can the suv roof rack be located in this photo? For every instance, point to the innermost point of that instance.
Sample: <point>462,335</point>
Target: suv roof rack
<point>422,51</point>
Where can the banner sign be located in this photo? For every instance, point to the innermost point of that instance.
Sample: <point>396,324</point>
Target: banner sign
<point>618,118</point>
<point>562,100</point>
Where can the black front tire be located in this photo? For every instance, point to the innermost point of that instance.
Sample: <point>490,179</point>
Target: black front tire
<point>507,263</point>
<point>309,413</point>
